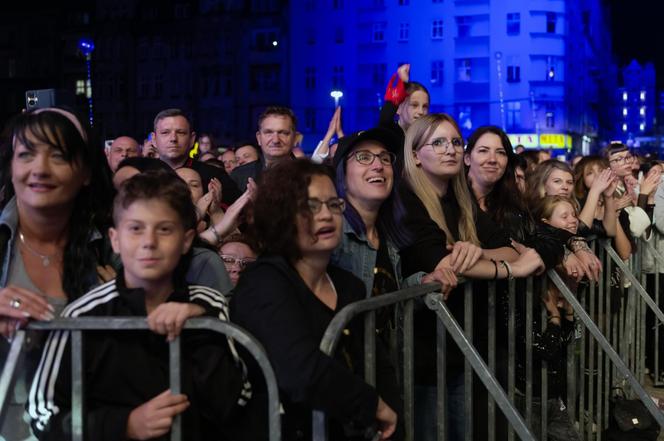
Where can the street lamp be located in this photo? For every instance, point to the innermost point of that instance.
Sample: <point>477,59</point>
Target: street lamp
<point>336,94</point>
<point>86,46</point>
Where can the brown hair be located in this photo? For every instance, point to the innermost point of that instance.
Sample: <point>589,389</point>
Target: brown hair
<point>160,185</point>
<point>282,195</point>
<point>544,207</point>
<point>537,179</point>
<point>278,111</point>
<point>580,190</point>
<point>171,113</point>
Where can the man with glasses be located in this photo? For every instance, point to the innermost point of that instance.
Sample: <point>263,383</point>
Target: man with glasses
<point>276,137</point>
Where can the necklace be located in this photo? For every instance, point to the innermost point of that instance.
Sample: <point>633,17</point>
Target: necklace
<point>45,258</point>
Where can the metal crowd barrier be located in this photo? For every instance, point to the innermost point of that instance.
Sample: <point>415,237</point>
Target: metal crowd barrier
<point>607,351</point>
<point>77,325</point>
<point>447,323</point>
<point>655,289</point>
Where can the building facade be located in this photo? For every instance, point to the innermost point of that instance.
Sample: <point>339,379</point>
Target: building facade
<point>534,67</point>
<point>635,115</point>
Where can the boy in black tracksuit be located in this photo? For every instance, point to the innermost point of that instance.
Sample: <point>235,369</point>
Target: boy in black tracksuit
<point>126,373</point>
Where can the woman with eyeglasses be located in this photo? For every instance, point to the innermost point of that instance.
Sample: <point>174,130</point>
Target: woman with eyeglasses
<point>443,229</point>
<point>237,251</point>
<point>290,294</point>
<point>365,178</point>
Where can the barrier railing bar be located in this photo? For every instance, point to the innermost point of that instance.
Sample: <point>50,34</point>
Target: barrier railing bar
<point>435,303</point>
<point>511,350</point>
<point>467,369</point>
<point>333,332</point>
<point>441,381</point>
<point>544,392</point>
<point>232,330</point>
<point>8,377</point>
<point>174,379</point>
<point>529,351</point>
<point>635,282</point>
<point>77,391</point>
<point>408,360</point>
<point>606,346</point>
<point>370,348</point>
<point>491,411</point>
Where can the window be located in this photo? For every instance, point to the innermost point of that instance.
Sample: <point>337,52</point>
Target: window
<point>339,35</point>
<point>404,31</point>
<point>437,68</point>
<point>551,22</point>
<point>158,85</point>
<point>311,37</point>
<point>550,69</point>
<point>513,114</point>
<point>437,30</point>
<point>80,87</point>
<point>310,119</point>
<point>642,95</point>
<point>378,74</point>
<point>264,39</point>
<point>337,4</point>
<point>464,68</point>
<point>437,1</point>
<point>378,32</point>
<point>514,23</point>
<point>404,2</point>
<point>463,26</point>
<point>464,117</point>
<point>550,116</point>
<point>337,77</point>
<point>310,78</point>
<point>264,77</point>
<point>513,74</point>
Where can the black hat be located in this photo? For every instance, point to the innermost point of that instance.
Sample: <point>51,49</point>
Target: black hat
<point>382,135</point>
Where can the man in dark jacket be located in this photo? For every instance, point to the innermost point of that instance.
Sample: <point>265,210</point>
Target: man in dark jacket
<point>276,138</point>
<point>174,138</point>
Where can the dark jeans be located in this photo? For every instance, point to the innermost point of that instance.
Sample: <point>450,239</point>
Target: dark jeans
<point>425,410</point>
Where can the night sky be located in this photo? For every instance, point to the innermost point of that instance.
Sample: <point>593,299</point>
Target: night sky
<point>638,33</point>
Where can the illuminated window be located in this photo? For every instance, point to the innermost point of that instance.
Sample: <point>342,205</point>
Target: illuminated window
<point>550,116</point>
<point>624,111</point>
<point>337,77</point>
<point>513,114</point>
<point>625,96</point>
<point>514,23</point>
<point>642,126</point>
<point>513,74</point>
<point>310,77</point>
<point>378,32</point>
<point>80,87</point>
<point>551,22</point>
<point>642,111</point>
<point>624,127</point>
<point>463,26</point>
<point>404,31</point>
<point>643,95</point>
<point>464,68</point>
<point>437,72</point>
<point>437,30</point>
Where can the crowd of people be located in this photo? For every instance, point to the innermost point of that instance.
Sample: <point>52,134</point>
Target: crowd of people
<point>278,243</point>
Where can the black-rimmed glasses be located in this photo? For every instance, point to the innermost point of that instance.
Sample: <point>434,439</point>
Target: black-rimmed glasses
<point>365,157</point>
<point>335,205</point>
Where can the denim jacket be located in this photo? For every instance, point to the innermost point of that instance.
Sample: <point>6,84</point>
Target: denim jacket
<point>356,255</point>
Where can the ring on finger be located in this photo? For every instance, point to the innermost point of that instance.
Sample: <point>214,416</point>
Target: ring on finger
<point>15,303</point>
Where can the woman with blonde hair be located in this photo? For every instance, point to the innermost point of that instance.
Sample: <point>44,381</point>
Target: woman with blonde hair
<point>441,228</point>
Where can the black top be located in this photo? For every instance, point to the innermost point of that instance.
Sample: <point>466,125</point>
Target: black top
<point>241,174</point>
<point>273,303</point>
<point>426,249</point>
<point>230,191</point>
<point>124,369</point>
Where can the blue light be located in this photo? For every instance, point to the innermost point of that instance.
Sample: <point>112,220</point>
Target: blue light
<point>86,46</point>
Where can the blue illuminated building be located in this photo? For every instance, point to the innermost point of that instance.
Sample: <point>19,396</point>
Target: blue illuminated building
<point>534,67</point>
<point>635,114</point>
